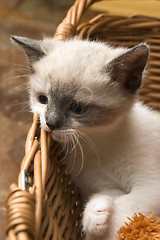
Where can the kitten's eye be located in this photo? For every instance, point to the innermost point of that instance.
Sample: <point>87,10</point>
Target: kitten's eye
<point>78,108</point>
<point>43,99</point>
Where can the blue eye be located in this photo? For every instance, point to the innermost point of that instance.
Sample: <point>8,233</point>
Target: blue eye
<point>78,108</point>
<point>43,99</point>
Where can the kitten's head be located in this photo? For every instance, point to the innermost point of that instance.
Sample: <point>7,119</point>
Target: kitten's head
<point>77,83</point>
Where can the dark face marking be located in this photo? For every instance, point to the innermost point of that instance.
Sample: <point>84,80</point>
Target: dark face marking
<point>62,112</point>
<point>78,108</point>
<point>58,109</point>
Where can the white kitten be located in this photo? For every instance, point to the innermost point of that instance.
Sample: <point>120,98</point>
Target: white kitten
<point>85,93</point>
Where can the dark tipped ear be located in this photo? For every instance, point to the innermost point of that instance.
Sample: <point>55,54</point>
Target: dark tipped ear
<point>128,68</point>
<point>33,48</point>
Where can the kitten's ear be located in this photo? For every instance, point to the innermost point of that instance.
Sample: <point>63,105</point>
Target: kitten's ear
<point>128,68</point>
<point>33,48</point>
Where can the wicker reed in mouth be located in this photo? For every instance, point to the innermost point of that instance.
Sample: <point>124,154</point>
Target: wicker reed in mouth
<point>47,205</point>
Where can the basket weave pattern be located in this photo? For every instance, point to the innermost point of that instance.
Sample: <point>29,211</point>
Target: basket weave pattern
<point>50,208</point>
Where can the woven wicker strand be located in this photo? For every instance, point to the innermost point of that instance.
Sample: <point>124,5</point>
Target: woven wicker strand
<point>49,208</point>
<point>68,27</point>
<point>21,208</point>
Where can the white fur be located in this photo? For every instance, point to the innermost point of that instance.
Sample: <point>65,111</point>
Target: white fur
<point>128,172</point>
<point>58,67</point>
<point>124,179</point>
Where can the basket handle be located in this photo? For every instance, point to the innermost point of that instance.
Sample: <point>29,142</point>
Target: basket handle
<point>68,27</point>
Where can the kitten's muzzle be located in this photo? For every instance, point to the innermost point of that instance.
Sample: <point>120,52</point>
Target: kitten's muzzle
<point>53,125</point>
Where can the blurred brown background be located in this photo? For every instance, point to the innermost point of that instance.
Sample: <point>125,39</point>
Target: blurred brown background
<point>31,18</point>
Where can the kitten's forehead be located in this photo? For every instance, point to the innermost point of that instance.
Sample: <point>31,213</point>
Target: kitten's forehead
<point>72,61</point>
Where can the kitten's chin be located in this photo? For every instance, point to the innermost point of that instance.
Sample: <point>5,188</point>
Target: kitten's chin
<point>59,137</point>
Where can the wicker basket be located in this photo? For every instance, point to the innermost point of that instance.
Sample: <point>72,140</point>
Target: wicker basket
<point>45,204</point>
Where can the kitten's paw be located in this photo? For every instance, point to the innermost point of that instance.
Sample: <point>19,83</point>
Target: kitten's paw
<point>96,216</point>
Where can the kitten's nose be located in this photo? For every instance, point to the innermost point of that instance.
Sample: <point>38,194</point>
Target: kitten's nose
<point>50,125</point>
<point>53,125</point>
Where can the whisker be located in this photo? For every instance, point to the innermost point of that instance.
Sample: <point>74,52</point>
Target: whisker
<point>13,78</point>
<point>26,109</point>
<point>12,74</point>
<point>16,64</point>
<point>73,150</point>
<point>71,141</point>
<point>91,144</point>
<point>75,138</point>
<point>64,149</point>
<point>82,159</point>
<point>28,120</point>
<point>19,104</point>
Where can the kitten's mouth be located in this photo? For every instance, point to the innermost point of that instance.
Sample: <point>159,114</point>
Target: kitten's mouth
<point>60,136</point>
<point>57,136</point>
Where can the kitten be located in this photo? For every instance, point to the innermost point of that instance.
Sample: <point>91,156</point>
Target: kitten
<point>84,93</point>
